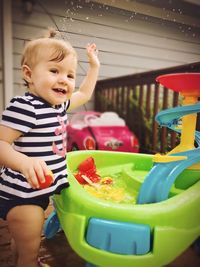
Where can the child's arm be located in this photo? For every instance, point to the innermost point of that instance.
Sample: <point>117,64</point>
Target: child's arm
<point>31,168</point>
<point>87,87</point>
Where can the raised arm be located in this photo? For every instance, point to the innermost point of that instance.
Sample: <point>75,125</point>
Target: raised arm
<point>86,89</point>
<point>31,168</point>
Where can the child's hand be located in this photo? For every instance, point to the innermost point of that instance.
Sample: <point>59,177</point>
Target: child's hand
<point>92,53</point>
<point>34,169</point>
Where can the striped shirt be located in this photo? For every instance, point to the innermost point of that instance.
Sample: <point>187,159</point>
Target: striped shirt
<point>43,129</point>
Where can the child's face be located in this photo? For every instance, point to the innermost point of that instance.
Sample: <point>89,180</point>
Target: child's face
<point>54,81</point>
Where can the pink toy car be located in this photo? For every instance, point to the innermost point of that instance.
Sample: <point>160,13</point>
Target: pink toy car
<point>100,131</point>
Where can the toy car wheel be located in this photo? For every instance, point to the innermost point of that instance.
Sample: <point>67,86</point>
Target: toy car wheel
<point>74,147</point>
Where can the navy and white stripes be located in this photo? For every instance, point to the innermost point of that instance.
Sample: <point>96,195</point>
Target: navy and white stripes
<point>43,131</point>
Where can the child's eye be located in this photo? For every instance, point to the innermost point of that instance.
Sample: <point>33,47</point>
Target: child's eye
<point>54,70</point>
<point>71,76</point>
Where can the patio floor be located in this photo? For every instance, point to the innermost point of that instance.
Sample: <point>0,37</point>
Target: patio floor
<point>57,252</point>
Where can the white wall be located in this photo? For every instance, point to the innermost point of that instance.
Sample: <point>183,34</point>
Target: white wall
<point>128,42</point>
<point>1,74</point>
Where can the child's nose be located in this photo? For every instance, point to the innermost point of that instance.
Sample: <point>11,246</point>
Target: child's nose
<point>63,79</point>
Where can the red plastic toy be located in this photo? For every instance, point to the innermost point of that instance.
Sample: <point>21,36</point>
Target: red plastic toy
<point>48,180</point>
<point>100,131</point>
<point>87,168</point>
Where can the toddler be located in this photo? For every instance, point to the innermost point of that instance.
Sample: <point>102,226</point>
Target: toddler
<point>33,138</point>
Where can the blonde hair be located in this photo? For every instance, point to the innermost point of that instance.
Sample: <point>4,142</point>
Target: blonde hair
<point>56,49</point>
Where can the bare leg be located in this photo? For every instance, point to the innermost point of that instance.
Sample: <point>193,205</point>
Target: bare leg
<point>14,251</point>
<point>25,225</point>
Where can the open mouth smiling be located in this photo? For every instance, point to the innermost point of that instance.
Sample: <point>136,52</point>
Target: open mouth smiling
<point>60,91</point>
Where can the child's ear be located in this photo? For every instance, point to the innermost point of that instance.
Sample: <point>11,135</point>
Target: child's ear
<point>27,73</point>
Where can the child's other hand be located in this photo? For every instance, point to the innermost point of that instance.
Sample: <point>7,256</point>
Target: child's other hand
<point>34,169</point>
<point>92,53</point>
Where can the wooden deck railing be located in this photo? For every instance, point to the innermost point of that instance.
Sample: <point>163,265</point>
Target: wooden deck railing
<point>138,98</point>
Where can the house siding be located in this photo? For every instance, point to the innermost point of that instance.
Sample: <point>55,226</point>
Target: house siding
<point>128,43</point>
<point>1,61</point>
